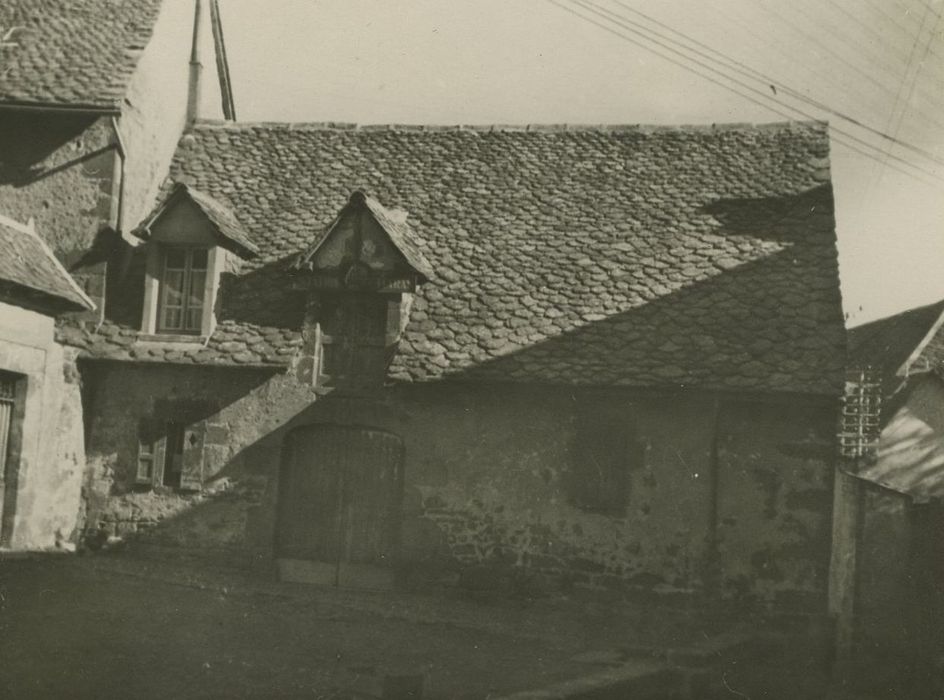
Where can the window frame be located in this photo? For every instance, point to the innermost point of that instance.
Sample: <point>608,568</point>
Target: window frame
<point>156,251</point>
<point>186,291</point>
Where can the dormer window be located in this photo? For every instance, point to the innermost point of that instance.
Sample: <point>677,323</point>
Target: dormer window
<point>183,290</point>
<point>361,273</point>
<point>188,241</point>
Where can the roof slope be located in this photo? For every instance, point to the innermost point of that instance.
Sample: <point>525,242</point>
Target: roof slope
<point>591,255</point>
<point>897,346</point>
<point>29,270</point>
<point>72,52</point>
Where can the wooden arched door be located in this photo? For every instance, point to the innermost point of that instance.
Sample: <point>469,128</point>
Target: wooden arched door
<point>339,505</point>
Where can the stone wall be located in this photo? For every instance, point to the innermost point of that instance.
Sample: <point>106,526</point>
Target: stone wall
<point>41,506</point>
<point>246,411</point>
<point>60,170</point>
<point>493,478</point>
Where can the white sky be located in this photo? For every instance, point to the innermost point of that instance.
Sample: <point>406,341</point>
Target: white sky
<point>528,61</point>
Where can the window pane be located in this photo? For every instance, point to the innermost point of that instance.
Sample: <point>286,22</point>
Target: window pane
<point>171,317</point>
<point>197,283</point>
<point>176,259</point>
<point>194,319</point>
<point>173,287</point>
<point>199,259</point>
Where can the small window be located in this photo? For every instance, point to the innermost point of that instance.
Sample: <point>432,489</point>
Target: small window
<point>171,454</point>
<point>605,454</point>
<point>182,290</point>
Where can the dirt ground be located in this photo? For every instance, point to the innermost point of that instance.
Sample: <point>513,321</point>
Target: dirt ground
<point>108,627</point>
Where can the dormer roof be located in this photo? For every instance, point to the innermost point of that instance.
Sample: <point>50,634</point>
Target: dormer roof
<point>222,219</point>
<point>392,222</point>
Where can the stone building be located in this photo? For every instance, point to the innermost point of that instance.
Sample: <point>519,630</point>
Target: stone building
<point>609,355</point>
<point>93,99</point>
<point>42,453</point>
<point>900,491</point>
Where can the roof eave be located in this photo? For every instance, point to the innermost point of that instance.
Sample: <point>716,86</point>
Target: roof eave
<point>108,109</point>
<point>41,300</point>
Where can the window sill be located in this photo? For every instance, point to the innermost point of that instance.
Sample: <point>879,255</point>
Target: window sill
<point>179,341</point>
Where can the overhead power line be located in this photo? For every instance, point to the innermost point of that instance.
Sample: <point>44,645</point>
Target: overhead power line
<point>608,15</point>
<point>867,75</point>
<point>881,38</point>
<point>743,69</point>
<point>686,62</point>
<point>878,52</point>
<point>898,119</point>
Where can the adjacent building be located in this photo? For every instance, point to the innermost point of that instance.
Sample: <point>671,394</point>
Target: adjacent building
<point>42,450</point>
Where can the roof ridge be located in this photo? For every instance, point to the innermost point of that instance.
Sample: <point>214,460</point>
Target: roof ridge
<point>535,127</point>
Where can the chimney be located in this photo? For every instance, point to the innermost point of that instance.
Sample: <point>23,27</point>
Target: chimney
<point>196,67</point>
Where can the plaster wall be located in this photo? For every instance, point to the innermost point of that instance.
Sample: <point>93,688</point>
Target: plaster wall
<point>154,114</point>
<point>50,464</point>
<point>489,478</point>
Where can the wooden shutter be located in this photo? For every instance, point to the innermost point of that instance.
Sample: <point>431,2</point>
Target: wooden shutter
<point>191,474</point>
<point>151,451</point>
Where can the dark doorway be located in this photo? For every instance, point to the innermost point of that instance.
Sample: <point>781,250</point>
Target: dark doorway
<point>12,400</point>
<point>339,505</point>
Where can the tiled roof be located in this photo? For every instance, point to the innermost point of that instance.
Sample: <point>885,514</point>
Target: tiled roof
<point>219,215</point>
<point>72,52</point>
<point>911,342</point>
<point>595,255</point>
<point>30,272</point>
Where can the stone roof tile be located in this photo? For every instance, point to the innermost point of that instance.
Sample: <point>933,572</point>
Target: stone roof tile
<point>75,52</point>
<point>28,267</point>
<point>631,255</point>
